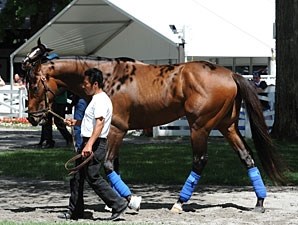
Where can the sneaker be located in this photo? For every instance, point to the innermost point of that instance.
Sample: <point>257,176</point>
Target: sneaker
<point>135,203</point>
<point>107,209</point>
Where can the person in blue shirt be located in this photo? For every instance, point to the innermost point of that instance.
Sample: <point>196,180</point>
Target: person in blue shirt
<point>80,106</point>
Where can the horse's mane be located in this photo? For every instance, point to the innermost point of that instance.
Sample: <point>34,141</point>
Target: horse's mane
<point>99,58</point>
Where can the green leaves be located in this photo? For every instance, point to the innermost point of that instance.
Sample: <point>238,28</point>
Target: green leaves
<point>16,15</point>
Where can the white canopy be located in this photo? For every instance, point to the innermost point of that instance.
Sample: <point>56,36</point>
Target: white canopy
<point>140,29</point>
<point>96,27</point>
<point>211,28</point>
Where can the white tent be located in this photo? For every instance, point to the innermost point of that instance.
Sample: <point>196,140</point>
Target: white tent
<point>89,27</point>
<point>229,28</point>
<point>140,29</point>
<point>96,27</point>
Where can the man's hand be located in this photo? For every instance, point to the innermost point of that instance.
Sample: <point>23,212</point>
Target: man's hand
<point>87,150</point>
<point>70,122</point>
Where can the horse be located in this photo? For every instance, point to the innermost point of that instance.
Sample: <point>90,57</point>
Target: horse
<point>146,95</point>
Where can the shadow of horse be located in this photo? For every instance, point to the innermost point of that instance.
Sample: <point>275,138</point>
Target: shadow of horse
<point>193,207</point>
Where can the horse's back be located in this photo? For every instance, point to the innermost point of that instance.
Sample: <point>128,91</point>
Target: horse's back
<point>209,79</point>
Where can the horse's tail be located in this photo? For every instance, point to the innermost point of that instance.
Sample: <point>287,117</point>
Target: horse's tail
<point>270,159</point>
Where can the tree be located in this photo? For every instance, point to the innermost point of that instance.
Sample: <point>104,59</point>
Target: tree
<point>20,19</point>
<point>286,108</point>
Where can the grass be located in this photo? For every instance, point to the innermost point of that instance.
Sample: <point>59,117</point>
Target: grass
<point>147,163</point>
<point>171,164</point>
<point>39,164</point>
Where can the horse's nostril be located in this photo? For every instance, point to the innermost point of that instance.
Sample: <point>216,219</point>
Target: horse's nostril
<point>32,121</point>
<point>43,122</point>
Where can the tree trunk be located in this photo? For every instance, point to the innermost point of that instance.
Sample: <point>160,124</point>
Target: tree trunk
<point>286,108</point>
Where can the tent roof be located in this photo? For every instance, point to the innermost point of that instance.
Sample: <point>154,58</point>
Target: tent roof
<point>140,29</point>
<point>96,27</point>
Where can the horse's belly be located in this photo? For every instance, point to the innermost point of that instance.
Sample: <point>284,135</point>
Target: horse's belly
<point>154,118</point>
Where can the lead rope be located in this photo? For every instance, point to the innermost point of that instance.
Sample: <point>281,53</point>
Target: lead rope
<point>73,159</point>
<point>71,128</point>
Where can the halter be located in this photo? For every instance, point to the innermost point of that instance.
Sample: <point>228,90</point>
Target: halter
<point>46,99</point>
<point>31,63</point>
<point>37,56</point>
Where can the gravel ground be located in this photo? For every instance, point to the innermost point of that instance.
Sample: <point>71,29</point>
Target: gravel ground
<point>41,201</point>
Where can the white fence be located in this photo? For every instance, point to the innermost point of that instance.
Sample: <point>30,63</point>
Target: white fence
<point>180,127</point>
<point>270,79</point>
<point>13,101</point>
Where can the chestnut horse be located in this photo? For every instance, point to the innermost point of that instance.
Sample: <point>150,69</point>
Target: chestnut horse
<point>145,95</point>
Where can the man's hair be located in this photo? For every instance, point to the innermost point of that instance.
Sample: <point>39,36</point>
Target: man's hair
<point>94,75</point>
<point>256,74</point>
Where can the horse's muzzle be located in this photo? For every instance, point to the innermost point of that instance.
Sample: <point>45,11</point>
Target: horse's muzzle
<point>26,65</point>
<point>33,121</point>
<point>37,118</point>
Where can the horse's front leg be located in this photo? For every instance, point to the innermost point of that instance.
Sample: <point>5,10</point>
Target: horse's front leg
<point>115,139</point>
<point>200,158</point>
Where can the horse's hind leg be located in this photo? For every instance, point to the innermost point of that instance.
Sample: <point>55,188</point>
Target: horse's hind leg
<point>237,142</point>
<point>200,157</point>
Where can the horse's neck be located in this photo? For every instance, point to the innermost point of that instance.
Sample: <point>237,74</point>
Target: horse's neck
<point>70,72</point>
<point>67,74</point>
<point>78,67</point>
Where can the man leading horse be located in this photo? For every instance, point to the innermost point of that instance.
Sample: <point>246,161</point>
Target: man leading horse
<point>145,95</point>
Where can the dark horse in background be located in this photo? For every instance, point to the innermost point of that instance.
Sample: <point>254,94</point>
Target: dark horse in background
<point>146,95</point>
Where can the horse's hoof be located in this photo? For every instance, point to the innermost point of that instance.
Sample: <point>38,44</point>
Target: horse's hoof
<point>259,209</point>
<point>177,208</point>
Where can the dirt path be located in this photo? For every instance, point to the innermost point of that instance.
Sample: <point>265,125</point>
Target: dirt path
<point>42,201</point>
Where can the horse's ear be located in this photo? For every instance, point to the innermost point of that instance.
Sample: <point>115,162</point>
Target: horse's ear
<point>38,41</point>
<point>44,46</point>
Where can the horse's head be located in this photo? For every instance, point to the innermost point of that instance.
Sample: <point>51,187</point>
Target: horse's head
<point>35,55</point>
<point>41,92</point>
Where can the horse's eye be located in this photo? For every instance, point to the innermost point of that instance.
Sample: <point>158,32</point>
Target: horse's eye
<point>35,89</point>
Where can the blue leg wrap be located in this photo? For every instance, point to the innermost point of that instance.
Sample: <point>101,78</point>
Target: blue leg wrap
<point>257,182</point>
<point>189,186</point>
<point>118,184</point>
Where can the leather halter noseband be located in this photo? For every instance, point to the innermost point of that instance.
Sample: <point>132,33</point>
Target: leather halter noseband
<point>46,99</point>
<point>31,64</point>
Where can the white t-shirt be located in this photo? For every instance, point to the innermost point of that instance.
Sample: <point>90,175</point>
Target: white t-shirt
<point>100,106</point>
